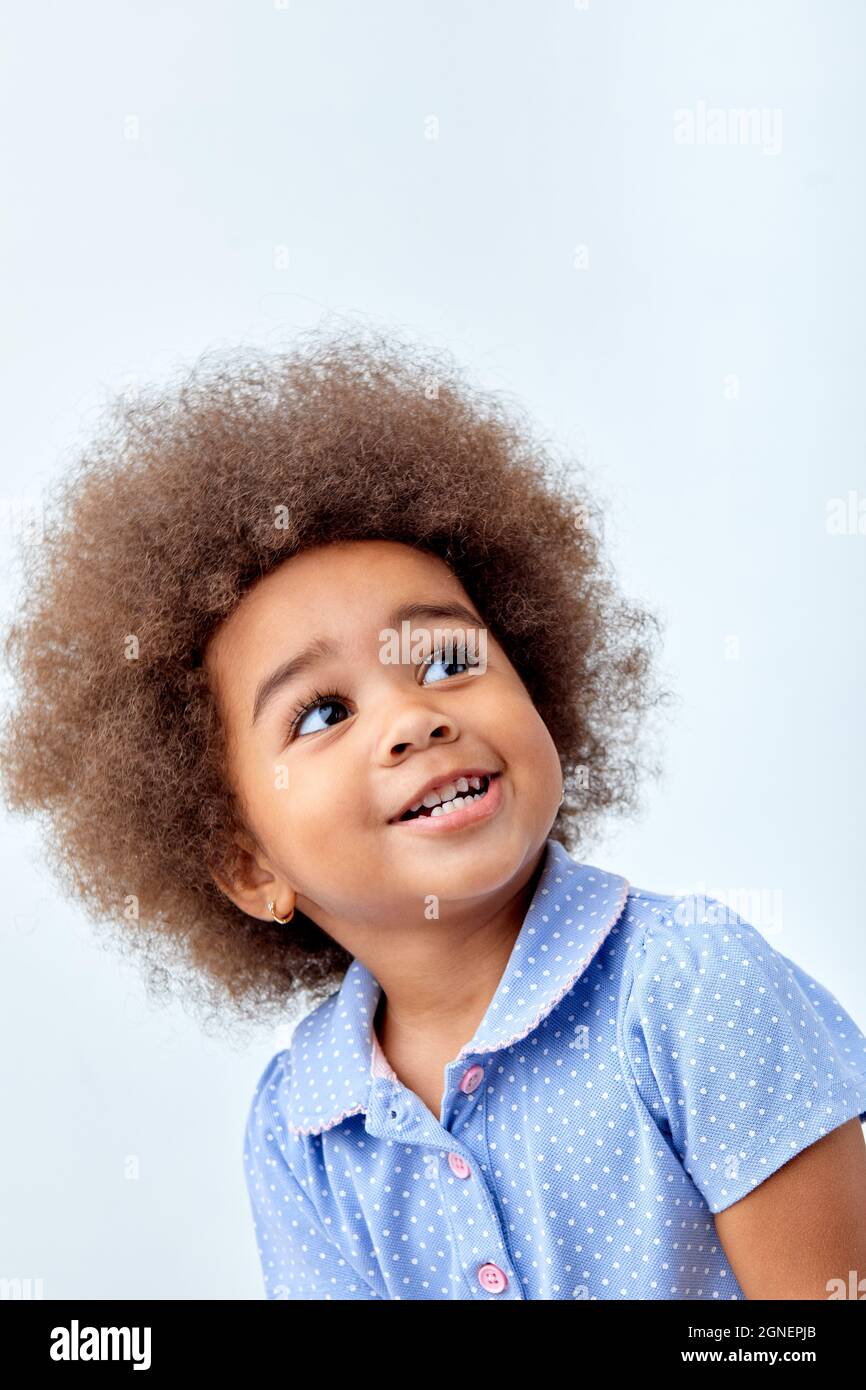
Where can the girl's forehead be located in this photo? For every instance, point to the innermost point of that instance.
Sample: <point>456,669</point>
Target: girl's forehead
<point>338,576</point>
<point>327,588</point>
<point>381,557</point>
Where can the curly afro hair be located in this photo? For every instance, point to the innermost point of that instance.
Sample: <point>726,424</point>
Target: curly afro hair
<point>182,499</point>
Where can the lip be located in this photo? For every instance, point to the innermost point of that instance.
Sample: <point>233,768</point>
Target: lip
<point>441,780</point>
<point>457,820</point>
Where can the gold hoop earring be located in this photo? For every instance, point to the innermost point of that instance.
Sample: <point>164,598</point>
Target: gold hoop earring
<point>281,920</point>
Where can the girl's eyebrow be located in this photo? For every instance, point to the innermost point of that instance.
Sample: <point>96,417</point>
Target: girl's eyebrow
<point>320,648</point>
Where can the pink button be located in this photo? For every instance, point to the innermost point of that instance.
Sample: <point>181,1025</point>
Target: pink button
<point>471,1079</point>
<point>458,1165</point>
<point>492,1278</point>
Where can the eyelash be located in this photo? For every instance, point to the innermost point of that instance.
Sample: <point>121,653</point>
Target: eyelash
<point>317,697</point>
<point>326,697</point>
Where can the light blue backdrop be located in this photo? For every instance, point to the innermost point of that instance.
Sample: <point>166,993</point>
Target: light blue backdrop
<point>575,200</point>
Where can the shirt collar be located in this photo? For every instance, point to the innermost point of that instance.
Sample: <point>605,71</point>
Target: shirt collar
<point>573,909</point>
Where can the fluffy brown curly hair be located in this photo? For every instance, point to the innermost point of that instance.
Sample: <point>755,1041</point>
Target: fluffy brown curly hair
<point>183,498</point>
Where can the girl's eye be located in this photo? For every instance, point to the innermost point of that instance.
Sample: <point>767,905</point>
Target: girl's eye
<point>330,707</point>
<point>323,706</point>
<point>436,660</point>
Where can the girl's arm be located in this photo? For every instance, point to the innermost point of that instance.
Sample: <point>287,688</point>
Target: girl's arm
<point>300,1259</point>
<point>805,1226</point>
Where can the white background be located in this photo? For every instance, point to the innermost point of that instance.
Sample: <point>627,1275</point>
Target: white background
<point>703,355</point>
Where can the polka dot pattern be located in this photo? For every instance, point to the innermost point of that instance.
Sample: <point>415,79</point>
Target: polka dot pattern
<point>644,1062</point>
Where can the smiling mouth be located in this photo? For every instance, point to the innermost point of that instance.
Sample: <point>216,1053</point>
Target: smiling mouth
<point>455,804</point>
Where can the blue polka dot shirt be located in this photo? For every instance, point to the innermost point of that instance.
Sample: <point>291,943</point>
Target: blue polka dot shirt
<point>645,1061</point>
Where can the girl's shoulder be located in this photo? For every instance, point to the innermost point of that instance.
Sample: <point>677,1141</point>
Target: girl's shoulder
<point>690,950</point>
<point>739,1054</point>
<point>697,928</point>
<point>271,1093</point>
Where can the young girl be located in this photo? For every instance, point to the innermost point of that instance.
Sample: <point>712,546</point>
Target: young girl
<point>322,680</point>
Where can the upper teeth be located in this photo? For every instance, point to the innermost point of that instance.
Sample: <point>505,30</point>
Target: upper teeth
<point>448,792</point>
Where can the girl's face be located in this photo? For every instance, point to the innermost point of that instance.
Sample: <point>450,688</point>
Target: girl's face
<point>325,780</point>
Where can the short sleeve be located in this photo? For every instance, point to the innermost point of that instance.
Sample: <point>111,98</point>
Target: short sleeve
<point>741,1057</point>
<point>299,1260</point>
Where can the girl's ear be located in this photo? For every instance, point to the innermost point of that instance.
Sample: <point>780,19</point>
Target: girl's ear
<point>248,881</point>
